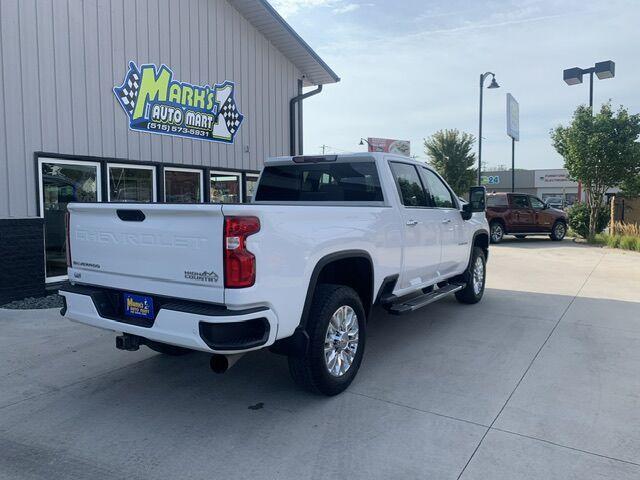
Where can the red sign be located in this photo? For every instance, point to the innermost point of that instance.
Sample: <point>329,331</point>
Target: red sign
<point>399,147</point>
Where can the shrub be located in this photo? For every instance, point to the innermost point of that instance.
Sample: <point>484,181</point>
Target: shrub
<point>579,219</point>
<point>613,241</point>
<point>627,242</point>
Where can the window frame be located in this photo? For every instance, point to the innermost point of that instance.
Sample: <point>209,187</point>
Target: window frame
<point>132,166</point>
<point>199,171</point>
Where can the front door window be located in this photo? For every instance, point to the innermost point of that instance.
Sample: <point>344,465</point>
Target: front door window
<point>63,182</point>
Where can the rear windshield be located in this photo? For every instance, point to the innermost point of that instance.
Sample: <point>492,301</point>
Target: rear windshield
<point>324,182</point>
<point>496,201</point>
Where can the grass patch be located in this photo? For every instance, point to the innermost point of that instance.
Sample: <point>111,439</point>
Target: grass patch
<point>624,242</point>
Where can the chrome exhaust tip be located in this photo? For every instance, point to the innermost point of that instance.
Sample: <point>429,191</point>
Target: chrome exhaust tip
<point>221,363</point>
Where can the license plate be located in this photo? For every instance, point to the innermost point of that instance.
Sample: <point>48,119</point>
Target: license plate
<point>138,306</point>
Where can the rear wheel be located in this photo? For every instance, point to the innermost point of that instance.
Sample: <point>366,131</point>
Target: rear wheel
<point>496,232</point>
<point>558,231</point>
<point>475,278</point>
<point>336,329</point>
<point>167,349</point>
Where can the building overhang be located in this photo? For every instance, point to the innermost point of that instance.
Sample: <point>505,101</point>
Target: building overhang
<point>269,23</point>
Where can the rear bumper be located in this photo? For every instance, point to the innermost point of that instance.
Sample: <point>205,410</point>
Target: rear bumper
<point>194,325</point>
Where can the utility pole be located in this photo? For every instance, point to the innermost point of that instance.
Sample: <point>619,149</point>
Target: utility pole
<point>323,147</point>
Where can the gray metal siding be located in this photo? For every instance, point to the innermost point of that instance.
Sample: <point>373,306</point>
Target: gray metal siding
<point>60,59</point>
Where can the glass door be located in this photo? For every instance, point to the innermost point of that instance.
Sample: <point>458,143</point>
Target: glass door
<point>225,187</point>
<point>62,182</point>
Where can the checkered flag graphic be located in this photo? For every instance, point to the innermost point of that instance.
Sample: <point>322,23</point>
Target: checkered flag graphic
<point>232,117</point>
<point>128,93</point>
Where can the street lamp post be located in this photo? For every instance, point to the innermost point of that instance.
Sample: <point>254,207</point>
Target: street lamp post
<point>573,76</point>
<point>493,84</point>
<point>603,70</point>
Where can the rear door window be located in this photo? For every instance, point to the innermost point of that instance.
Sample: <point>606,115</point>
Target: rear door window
<point>496,201</point>
<point>324,182</point>
<point>409,185</point>
<point>520,201</point>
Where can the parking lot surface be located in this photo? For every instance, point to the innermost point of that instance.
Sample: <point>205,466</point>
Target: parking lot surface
<point>538,381</point>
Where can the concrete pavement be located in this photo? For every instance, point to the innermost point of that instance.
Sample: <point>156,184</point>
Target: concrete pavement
<point>539,380</point>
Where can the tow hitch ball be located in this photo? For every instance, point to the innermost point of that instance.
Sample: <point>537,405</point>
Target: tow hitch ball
<point>128,342</point>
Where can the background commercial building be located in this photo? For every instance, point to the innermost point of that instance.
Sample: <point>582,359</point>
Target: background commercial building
<point>146,101</point>
<point>544,184</point>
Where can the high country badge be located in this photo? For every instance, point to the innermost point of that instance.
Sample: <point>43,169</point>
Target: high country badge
<point>156,103</point>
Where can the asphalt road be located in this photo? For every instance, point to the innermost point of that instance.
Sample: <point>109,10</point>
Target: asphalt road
<point>539,381</point>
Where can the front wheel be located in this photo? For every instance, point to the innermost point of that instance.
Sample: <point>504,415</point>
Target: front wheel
<point>476,277</point>
<point>336,329</point>
<point>558,231</point>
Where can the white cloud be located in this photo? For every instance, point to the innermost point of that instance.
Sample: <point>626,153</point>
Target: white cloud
<point>349,7</point>
<point>287,8</point>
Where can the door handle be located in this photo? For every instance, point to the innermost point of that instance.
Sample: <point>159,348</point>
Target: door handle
<point>412,223</point>
<point>446,220</point>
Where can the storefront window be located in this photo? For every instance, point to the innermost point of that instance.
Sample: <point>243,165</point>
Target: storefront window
<point>182,185</point>
<point>129,183</point>
<point>225,188</point>
<point>62,182</point>
<point>251,184</point>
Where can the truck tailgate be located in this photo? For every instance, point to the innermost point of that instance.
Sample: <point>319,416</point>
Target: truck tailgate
<point>162,249</point>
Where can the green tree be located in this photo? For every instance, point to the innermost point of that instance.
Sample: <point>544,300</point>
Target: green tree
<point>631,185</point>
<point>449,152</point>
<point>599,150</point>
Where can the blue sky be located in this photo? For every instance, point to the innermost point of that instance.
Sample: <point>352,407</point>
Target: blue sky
<point>410,68</point>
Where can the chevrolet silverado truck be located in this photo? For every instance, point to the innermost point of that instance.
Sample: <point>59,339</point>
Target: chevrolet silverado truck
<point>298,270</point>
<point>521,215</point>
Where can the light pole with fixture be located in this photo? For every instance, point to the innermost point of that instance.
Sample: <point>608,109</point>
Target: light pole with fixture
<point>493,84</point>
<point>363,140</point>
<point>603,70</point>
<point>573,76</point>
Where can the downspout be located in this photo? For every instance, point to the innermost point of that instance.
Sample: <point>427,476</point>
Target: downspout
<point>292,118</point>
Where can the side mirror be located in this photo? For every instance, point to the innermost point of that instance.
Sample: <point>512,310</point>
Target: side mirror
<point>477,202</point>
<point>546,206</point>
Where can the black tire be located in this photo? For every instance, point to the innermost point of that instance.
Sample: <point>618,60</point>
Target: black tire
<point>520,237</point>
<point>310,371</point>
<point>496,232</point>
<point>468,294</point>
<point>558,231</point>
<point>167,349</point>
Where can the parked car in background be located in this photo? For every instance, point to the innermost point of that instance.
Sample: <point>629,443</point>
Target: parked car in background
<point>521,215</point>
<point>555,202</point>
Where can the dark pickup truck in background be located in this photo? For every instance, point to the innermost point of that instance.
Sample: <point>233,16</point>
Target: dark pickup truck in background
<point>521,214</point>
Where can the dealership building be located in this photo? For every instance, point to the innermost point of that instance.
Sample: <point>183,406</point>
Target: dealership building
<point>146,101</point>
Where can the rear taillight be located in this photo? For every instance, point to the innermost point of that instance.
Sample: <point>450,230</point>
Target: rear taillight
<point>67,227</point>
<point>239,263</point>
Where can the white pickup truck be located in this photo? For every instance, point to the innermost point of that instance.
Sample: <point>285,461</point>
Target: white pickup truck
<point>298,270</point>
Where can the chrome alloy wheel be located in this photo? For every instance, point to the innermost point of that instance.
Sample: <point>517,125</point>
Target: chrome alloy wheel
<point>560,231</point>
<point>478,276</point>
<point>341,341</point>
<point>496,232</point>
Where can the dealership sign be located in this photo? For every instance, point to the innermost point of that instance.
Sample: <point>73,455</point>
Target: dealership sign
<point>400,147</point>
<point>155,102</point>
<point>513,118</point>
